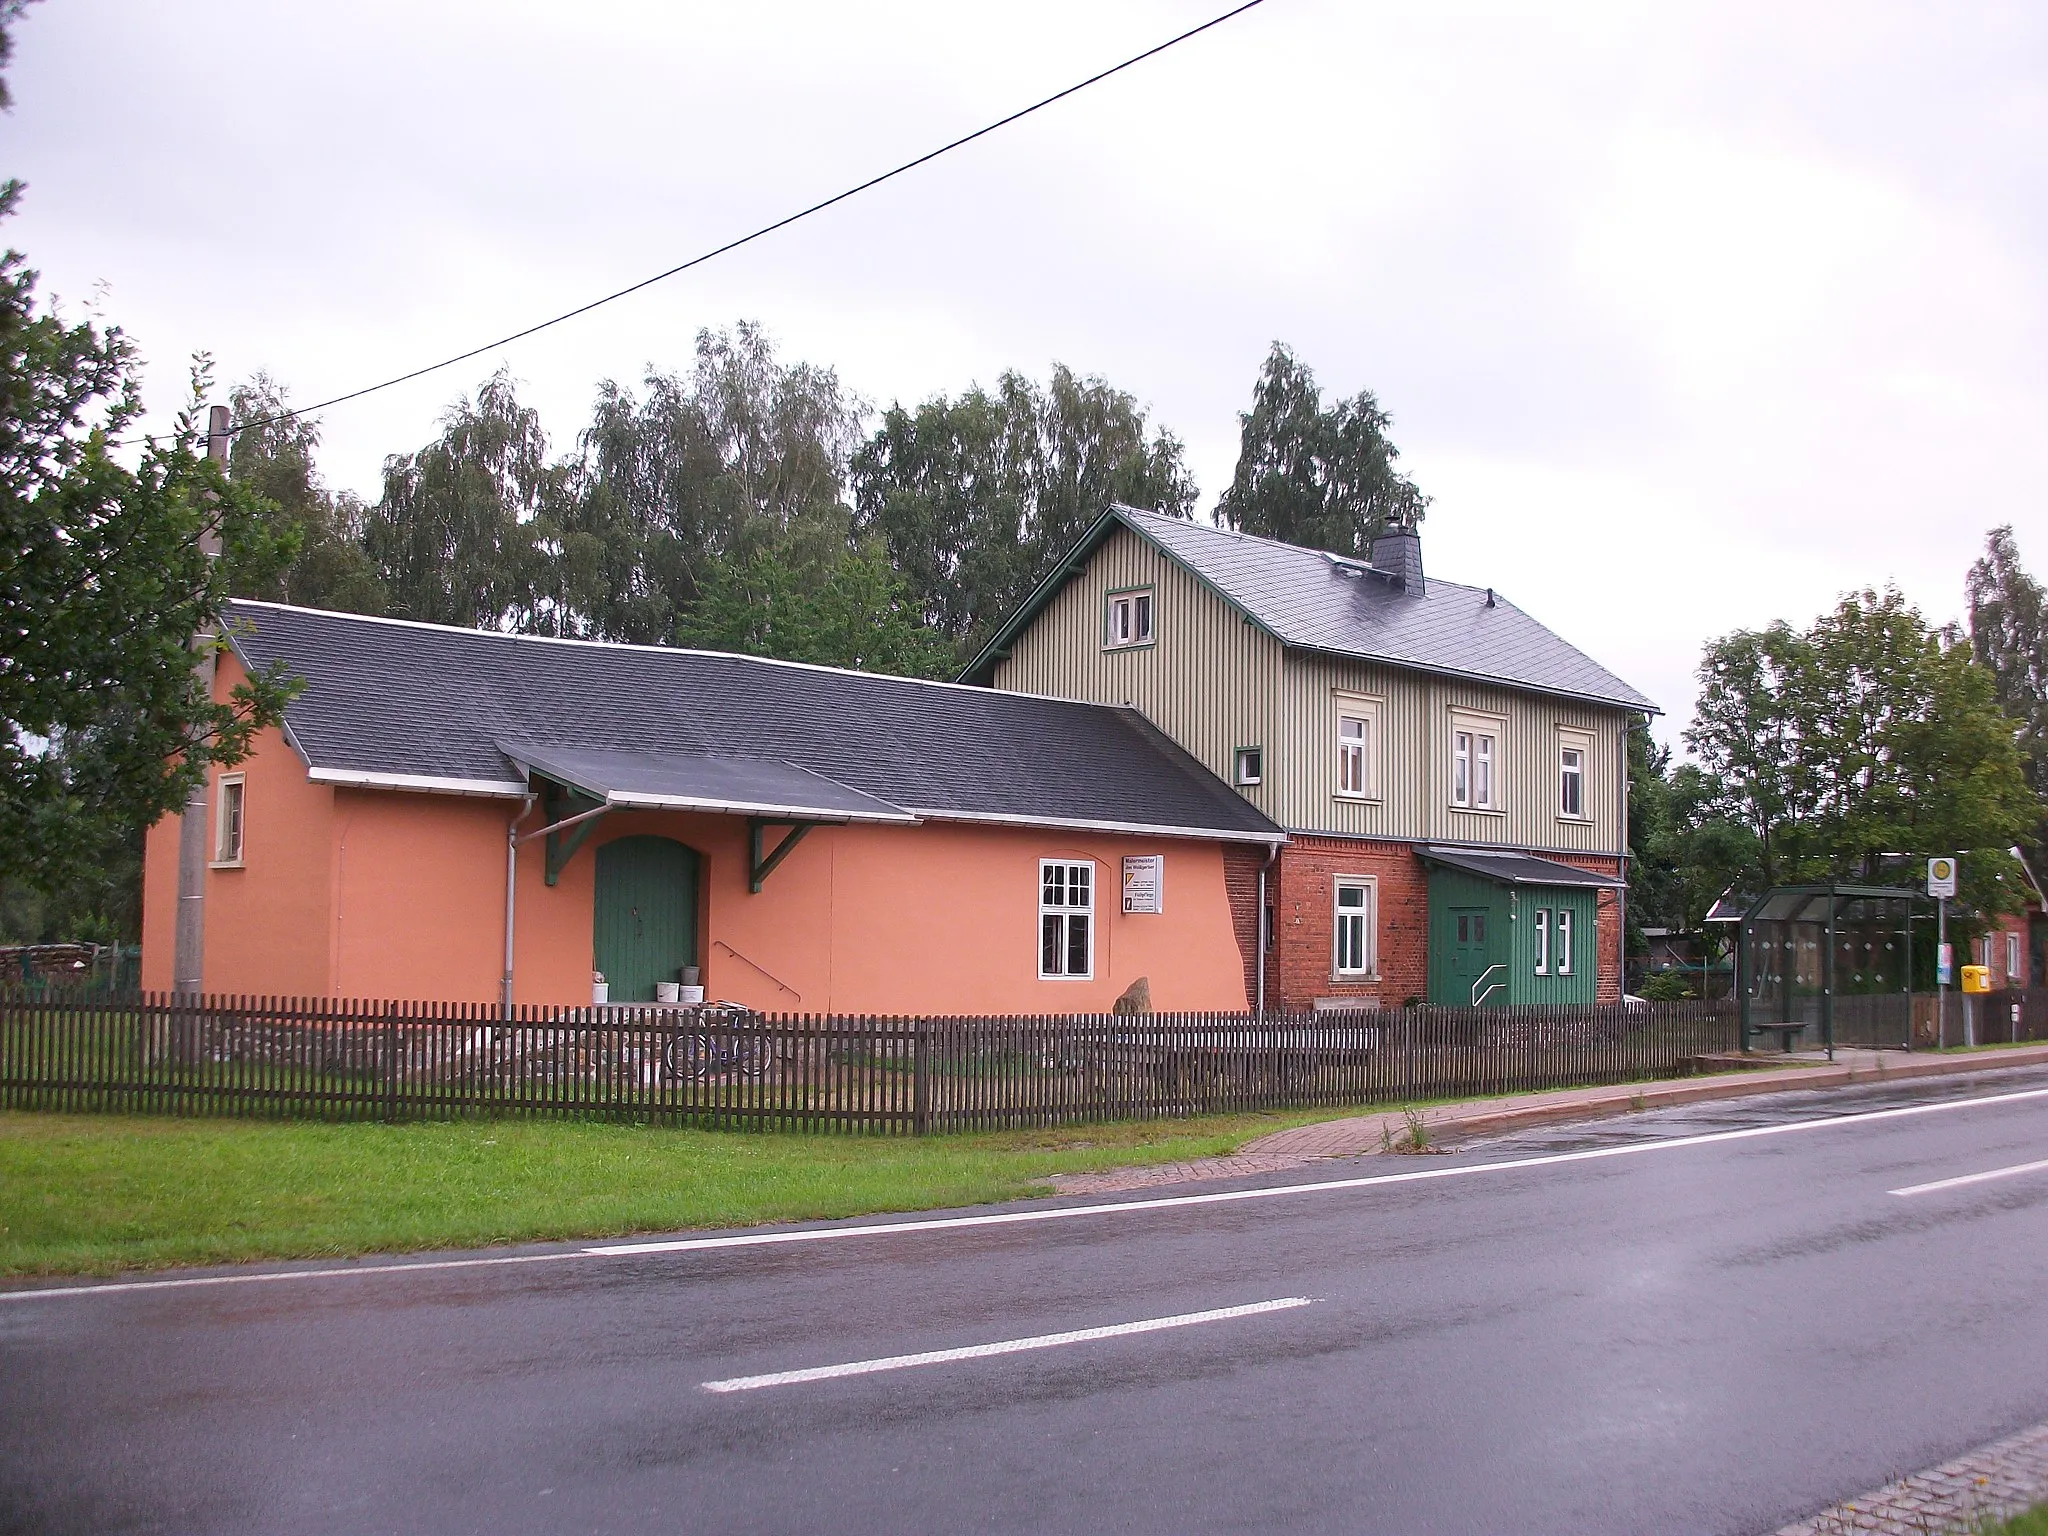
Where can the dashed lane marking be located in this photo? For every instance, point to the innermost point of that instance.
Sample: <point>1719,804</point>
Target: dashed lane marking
<point>1003,1347</point>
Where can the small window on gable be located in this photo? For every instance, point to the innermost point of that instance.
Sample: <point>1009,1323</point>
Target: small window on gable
<point>1251,765</point>
<point>1129,619</point>
<point>227,819</point>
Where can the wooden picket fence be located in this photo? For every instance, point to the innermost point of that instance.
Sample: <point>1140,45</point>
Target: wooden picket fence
<point>341,1059</point>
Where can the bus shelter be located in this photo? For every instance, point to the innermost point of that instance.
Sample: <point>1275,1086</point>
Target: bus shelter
<point>1836,959</point>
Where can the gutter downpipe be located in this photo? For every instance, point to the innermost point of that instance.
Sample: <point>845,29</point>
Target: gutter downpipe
<point>513,838</point>
<point>1272,855</point>
<point>526,805</point>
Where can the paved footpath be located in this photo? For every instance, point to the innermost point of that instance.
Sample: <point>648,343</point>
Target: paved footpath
<point>1994,1482</point>
<point>1356,1135</point>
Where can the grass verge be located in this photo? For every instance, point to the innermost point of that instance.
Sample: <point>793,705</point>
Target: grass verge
<point>90,1194</point>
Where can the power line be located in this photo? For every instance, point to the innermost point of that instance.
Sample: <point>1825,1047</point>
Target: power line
<point>765,229</point>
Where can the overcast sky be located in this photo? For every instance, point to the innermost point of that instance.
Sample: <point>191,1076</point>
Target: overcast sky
<point>1689,317</point>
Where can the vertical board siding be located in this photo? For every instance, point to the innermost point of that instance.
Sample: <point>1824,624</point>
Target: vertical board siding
<point>1208,679</point>
<point>1215,682</point>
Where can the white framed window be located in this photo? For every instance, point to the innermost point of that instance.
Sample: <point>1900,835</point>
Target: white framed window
<point>1543,941</point>
<point>1066,919</point>
<point>1574,756</point>
<point>1358,747</point>
<point>1128,620</point>
<point>1475,762</point>
<point>228,819</point>
<point>1562,956</point>
<point>2012,957</point>
<point>1353,945</point>
<point>1251,765</point>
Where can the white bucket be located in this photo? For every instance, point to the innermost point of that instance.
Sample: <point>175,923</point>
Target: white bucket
<point>665,991</point>
<point>691,995</point>
<point>600,993</point>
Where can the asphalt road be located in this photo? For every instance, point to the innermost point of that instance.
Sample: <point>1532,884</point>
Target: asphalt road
<point>1674,1335</point>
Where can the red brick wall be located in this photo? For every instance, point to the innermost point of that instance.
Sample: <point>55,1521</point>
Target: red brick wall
<point>1241,866</point>
<point>1305,914</point>
<point>1304,883</point>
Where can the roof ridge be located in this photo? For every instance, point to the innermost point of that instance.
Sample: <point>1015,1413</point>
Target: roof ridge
<point>660,650</point>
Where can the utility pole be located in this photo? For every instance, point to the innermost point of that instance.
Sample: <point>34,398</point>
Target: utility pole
<point>189,968</point>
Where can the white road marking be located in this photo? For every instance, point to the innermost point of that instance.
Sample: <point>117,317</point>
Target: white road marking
<point>1972,1178</point>
<point>1019,1218</point>
<point>1004,1347</point>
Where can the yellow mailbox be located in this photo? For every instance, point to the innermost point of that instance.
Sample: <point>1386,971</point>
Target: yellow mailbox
<point>1976,978</point>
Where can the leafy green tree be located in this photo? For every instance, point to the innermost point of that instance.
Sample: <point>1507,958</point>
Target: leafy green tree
<point>743,453</point>
<point>275,460</point>
<point>103,584</point>
<point>845,608</point>
<point>975,498</point>
<point>450,536</point>
<point>2009,636</point>
<point>1324,478</point>
<point>1865,735</point>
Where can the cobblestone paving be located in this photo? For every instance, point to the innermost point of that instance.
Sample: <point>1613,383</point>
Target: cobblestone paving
<point>1116,1180</point>
<point>1993,1482</point>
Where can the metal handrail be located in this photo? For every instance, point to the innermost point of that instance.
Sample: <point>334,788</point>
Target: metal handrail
<point>1478,996</point>
<point>785,986</point>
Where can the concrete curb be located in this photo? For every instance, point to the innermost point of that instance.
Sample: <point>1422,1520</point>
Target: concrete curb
<point>1357,1135</point>
<point>1349,1137</point>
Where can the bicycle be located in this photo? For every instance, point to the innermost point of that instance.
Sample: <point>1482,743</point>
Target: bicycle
<point>723,1040</point>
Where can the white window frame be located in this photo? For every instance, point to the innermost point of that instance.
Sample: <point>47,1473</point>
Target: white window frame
<point>1470,764</point>
<point>1566,937</point>
<point>224,856</point>
<point>1358,758</point>
<point>1257,774</point>
<point>2012,956</point>
<point>1581,742</point>
<point>1129,619</point>
<point>1365,917</point>
<point>1543,941</point>
<point>1065,909</point>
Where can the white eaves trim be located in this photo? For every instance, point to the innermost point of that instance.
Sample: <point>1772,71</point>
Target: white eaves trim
<point>424,783</point>
<point>628,801</point>
<point>505,789</point>
<point>1075,824</point>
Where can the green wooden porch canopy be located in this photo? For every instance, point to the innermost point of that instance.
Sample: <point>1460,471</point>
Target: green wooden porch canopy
<point>581,784</point>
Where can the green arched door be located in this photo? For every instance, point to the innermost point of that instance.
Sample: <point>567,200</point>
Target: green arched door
<point>646,914</point>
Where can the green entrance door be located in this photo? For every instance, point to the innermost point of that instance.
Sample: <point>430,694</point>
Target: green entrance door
<point>1470,957</point>
<point>646,914</point>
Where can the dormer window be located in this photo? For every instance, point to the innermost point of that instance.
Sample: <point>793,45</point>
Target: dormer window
<point>1128,622</point>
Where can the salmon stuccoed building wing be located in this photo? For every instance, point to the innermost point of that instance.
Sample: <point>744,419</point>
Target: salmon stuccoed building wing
<point>801,838</point>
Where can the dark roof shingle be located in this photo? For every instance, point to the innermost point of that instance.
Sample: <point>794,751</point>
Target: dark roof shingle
<point>392,698</point>
<point>1306,599</point>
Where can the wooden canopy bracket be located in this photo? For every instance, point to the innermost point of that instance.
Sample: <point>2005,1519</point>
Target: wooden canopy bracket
<point>760,868</point>
<point>562,845</point>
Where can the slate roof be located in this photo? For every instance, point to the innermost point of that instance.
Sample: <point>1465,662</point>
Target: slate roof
<point>391,701</point>
<point>1304,598</point>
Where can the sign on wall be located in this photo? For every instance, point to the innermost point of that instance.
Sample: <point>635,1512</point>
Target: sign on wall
<point>1144,882</point>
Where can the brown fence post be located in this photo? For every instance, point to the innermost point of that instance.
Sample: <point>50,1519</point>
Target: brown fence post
<point>921,1113</point>
<point>391,1061</point>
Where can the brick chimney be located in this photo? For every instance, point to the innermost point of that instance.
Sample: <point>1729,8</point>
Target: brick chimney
<point>1398,552</point>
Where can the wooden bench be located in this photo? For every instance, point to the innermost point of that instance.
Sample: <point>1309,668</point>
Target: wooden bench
<point>1785,1033</point>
